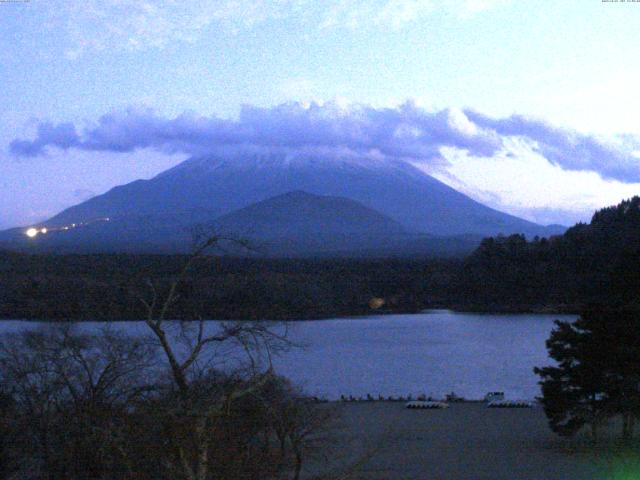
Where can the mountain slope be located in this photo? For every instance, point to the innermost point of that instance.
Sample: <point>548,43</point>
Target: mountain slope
<point>294,224</point>
<point>304,214</point>
<point>299,223</point>
<point>396,189</point>
<point>150,233</point>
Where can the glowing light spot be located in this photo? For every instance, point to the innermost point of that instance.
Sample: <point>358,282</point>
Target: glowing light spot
<point>32,232</point>
<point>376,303</point>
<point>44,230</point>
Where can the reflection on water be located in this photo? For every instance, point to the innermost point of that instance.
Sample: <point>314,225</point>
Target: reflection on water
<point>433,353</point>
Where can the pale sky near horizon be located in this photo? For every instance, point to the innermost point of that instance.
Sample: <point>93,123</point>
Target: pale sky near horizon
<point>531,107</point>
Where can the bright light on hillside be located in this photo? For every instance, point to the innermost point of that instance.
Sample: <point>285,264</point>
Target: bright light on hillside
<point>32,232</point>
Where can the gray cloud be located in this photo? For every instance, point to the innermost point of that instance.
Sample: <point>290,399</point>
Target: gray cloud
<point>567,149</point>
<point>62,135</point>
<point>406,132</point>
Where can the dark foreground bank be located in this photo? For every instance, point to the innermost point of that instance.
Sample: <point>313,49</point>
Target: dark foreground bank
<point>467,441</point>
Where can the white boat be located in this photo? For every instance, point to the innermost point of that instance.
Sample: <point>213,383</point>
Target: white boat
<point>494,396</point>
<point>510,404</point>
<point>419,404</point>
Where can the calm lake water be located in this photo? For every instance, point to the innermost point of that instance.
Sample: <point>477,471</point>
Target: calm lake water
<point>434,353</point>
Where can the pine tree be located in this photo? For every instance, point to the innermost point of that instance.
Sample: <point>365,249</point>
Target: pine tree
<point>597,373</point>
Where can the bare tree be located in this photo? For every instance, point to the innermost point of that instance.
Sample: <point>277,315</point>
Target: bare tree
<point>300,424</point>
<point>188,353</point>
<point>71,392</point>
<point>189,400</point>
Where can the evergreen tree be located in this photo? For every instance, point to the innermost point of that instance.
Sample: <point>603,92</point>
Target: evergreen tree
<point>597,373</point>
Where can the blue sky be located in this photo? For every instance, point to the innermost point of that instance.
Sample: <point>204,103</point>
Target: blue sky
<point>554,81</point>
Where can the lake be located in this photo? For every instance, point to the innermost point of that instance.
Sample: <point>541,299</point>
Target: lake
<point>434,352</point>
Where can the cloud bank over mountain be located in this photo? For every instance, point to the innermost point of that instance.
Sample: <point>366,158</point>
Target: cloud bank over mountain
<point>567,149</point>
<point>407,132</point>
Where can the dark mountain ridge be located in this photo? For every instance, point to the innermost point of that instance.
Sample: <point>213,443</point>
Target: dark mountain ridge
<point>295,224</point>
<point>292,206</point>
<point>299,223</point>
<point>396,189</point>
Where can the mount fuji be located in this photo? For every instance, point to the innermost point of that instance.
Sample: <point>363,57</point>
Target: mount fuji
<point>401,201</point>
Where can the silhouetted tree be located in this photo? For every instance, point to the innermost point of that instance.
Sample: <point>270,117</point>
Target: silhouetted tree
<point>597,374</point>
<point>9,451</point>
<point>70,393</point>
<point>196,402</point>
<point>105,406</point>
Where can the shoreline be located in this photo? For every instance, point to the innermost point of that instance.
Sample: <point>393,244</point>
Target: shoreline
<point>352,316</point>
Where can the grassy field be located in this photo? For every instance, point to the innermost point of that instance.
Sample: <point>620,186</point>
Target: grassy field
<point>383,440</point>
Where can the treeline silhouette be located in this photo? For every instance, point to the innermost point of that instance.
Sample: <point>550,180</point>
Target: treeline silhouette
<point>591,264</point>
<point>109,287</point>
